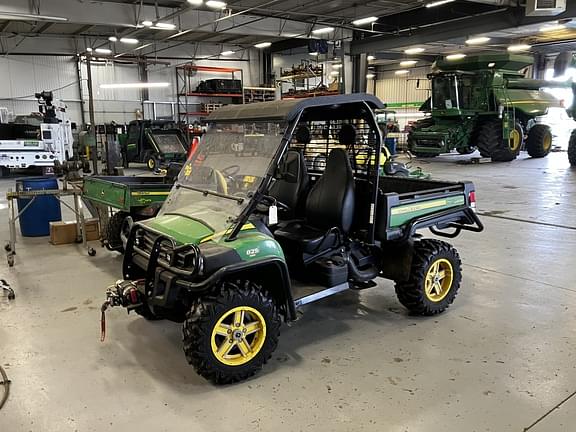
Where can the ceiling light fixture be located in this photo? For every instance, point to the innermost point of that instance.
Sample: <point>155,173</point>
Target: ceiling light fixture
<point>337,66</point>
<point>164,26</point>
<point>103,51</point>
<point>367,20</point>
<point>402,72</point>
<point>491,65</point>
<point>226,53</point>
<point>130,41</point>
<point>323,30</point>
<point>519,47</point>
<point>408,63</point>
<point>215,4</point>
<point>438,3</point>
<point>113,39</point>
<point>30,17</point>
<point>315,53</point>
<point>552,27</point>
<point>334,73</point>
<point>147,23</point>
<point>478,40</point>
<point>414,50</point>
<point>370,76</point>
<point>263,45</point>
<point>370,58</point>
<point>89,49</point>
<point>135,85</point>
<point>196,2</point>
<point>457,56</point>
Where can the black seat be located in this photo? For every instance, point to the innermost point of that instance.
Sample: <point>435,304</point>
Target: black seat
<point>292,193</point>
<point>329,209</point>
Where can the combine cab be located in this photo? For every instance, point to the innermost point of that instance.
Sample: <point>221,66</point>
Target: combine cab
<point>485,103</point>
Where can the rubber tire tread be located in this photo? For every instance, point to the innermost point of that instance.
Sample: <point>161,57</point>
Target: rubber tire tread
<point>411,292</point>
<point>197,331</point>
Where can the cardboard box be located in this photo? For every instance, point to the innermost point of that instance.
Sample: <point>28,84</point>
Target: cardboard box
<point>65,232</point>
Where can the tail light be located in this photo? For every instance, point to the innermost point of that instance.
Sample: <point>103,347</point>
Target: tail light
<point>472,200</point>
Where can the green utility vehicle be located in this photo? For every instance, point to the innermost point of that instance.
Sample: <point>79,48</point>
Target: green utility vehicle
<point>484,102</point>
<point>251,233</point>
<point>155,143</point>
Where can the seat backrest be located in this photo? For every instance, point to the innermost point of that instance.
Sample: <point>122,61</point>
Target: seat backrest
<point>330,203</point>
<point>293,194</point>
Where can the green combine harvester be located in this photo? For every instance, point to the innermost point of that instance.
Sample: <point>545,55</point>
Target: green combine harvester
<point>484,102</point>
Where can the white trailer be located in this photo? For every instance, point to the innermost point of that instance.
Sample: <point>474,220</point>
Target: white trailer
<point>53,143</point>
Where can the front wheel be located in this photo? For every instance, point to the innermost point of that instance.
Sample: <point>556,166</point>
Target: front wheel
<point>572,149</point>
<point>151,163</point>
<point>230,336</point>
<point>434,280</point>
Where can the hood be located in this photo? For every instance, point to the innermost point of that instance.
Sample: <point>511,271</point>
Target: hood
<point>182,229</point>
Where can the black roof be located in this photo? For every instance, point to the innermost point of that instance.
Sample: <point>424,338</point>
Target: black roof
<point>289,109</point>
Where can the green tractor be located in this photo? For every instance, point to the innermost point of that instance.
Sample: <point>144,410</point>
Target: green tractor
<point>283,204</point>
<point>484,102</point>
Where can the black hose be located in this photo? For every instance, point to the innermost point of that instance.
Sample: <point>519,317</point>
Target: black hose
<point>6,384</point>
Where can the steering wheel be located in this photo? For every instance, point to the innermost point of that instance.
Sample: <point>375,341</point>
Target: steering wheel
<point>231,171</point>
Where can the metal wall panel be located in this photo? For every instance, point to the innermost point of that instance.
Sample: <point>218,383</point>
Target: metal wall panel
<point>394,89</point>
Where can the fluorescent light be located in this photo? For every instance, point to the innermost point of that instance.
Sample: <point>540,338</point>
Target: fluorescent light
<point>363,21</point>
<point>370,76</point>
<point>402,72</point>
<point>313,53</point>
<point>113,39</point>
<point>323,30</point>
<point>370,58</point>
<point>131,41</point>
<point>165,26</point>
<point>215,4</point>
<point>227,52</point>
<point>408,63</point>
<point>458,56</point>
<point>30,17</point>
<point>552,27</point>
<point>89,49</point>
<point>103,51</point>
<point>147,23</point>
<point>263,44</point>
<point>414,50</point>
<point>519,47</point>
<point>478,40</point>
<point>491,65</point>
<point>337,66</point>
<point>438,3</point>
<point>135,85</point>
<point>196,2</point>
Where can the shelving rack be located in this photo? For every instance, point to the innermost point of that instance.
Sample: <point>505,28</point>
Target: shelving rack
<point>190,101</point>
<point>305,83</point>
<point>259,94</point>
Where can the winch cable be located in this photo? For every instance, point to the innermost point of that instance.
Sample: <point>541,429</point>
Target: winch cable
<point>103,321</point>
<point>5,383</point>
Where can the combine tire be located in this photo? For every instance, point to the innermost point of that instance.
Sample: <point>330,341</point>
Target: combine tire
<point>491,144</point>
<point>466,150</point>
<point>572,149</point>
<point>539,142</point>
<point>230,336</point>
<point>434,279</point>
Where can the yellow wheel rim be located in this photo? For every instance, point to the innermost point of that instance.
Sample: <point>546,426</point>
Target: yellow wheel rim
<point>547,142</point>
<point>515,140</point>
<point>439,278</point>
<point>151,163</point>
<point>238,336</point>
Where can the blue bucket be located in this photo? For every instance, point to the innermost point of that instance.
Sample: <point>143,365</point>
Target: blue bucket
<point>35,221</point>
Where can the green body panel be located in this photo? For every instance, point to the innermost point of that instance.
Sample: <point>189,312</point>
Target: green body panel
<point>250,244</point>
<point>403,214</point>
<point>447,132</point>
<point>124,196</point>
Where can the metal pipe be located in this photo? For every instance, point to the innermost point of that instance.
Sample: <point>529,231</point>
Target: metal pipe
<point>92,119</point>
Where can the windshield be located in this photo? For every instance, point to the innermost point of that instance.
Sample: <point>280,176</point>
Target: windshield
<point>444,94</point>
<point>226,169</point>
<point>168,142</point>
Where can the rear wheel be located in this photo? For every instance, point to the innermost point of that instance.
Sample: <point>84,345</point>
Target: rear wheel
<point>434,280</point>
<point>151,163</point>
<point>572,149</point>
<point>539,142</point>
<point>229,337</point>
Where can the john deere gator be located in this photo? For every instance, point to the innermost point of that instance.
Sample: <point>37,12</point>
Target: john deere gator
<point>484,102</point>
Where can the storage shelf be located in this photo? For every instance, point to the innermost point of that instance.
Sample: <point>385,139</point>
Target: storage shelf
<point>212,94</point>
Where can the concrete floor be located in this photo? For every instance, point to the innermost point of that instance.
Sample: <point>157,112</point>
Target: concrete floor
<point>501,359</point>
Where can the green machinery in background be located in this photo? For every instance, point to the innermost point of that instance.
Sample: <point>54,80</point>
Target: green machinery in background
<point>484,102</point>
